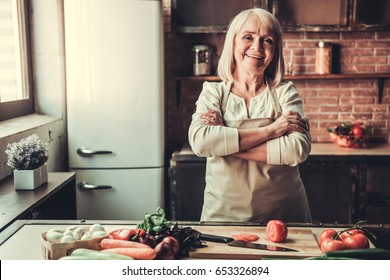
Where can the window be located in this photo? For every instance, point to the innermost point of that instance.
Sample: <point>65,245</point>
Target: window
<point>16,95</point>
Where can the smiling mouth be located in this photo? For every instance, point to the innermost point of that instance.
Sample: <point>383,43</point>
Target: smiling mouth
<point>255,56</point>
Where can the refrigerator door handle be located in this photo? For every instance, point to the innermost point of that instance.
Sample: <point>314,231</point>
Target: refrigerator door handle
<point>85,152</point>
<point>86,187</point>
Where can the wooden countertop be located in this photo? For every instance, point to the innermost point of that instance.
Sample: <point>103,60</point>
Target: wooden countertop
<point>16,204</point>
<point>320,151</point>
<point>330,149</point>
<point>22,239</point>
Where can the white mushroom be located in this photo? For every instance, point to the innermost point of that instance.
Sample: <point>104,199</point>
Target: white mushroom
<point>96,227</point>
<point>68,232</point>
<point>86,236</point>
<point>67,239</point>
<point>78,233</point>
<point>72,228</point>
<point>54,236</point>
<point>99,233</point>
<point>55,230</point>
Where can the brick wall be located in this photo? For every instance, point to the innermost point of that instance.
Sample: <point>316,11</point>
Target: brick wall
<point>326,102</point>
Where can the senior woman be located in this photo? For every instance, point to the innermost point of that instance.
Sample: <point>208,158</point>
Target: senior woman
<point>252,129</point>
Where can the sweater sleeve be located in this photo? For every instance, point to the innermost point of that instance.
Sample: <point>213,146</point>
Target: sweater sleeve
<point>206,140</point>
<point>293,148</point>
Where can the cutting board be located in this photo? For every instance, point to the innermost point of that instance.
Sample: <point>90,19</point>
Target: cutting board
<point>301,239</point>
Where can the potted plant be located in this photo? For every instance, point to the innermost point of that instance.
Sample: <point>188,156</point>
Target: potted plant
<point>28,158</point>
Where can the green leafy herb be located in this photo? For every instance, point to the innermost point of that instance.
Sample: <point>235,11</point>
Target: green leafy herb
<point>155,223</point>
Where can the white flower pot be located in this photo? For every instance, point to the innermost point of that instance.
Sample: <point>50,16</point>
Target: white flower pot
<point>30,179</point>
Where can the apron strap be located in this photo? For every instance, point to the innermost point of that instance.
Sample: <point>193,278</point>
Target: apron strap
<point>278,108</point>
<point>225,96</point>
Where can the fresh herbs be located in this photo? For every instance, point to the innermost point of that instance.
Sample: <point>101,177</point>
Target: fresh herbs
<point>158,227</point>
<point>155,223</point>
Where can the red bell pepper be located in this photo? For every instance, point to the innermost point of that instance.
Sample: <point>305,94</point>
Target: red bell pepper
<point>127,234</point>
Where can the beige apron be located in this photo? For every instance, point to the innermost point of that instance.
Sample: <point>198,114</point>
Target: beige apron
<point>249,191</point>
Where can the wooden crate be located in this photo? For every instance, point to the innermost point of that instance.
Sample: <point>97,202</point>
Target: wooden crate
<point>54,251</point>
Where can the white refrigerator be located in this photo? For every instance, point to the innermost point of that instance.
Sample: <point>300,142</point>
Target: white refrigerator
<point>115,106</point>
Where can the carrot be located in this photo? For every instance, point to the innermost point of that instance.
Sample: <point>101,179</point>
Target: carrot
<point>136,253</point>
<point>247,237</point>
<point>108,243</point>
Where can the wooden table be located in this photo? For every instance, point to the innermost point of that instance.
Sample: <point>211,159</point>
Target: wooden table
<point>22,240</point>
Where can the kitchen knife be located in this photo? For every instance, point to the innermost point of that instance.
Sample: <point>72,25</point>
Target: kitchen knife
<point>238,243</point>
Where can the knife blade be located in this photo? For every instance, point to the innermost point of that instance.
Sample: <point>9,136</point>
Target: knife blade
<point>238,243</point>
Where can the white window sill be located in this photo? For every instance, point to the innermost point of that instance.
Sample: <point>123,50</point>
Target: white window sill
<point>21,124</point>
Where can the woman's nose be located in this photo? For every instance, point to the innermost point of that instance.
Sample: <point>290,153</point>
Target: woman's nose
<point>257,45</point>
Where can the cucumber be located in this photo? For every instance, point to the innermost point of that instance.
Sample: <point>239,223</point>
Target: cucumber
<point>77,258</point>
<point>322,257</point>
<point>88,254</point>
<point>361,254</point>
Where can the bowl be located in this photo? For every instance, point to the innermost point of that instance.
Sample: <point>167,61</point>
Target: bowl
<point>348,141</point>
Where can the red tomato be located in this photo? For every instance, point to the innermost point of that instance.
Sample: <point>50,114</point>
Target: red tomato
<point>127,234</point>
<point>357,131</point>
<point>350,232</point>
<point>331,245</point>
<point>247,237</point>
<point>328,233</point>
<point>356,241</point>
<point>276,231</point>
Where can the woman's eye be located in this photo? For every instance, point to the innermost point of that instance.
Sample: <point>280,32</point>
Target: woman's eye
<point>247,37</point>
<point>268,41</point>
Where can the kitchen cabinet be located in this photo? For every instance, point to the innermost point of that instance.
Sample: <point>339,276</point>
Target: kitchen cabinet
<point>372,15</point>
<point>330,189</point>
<point>375,201</point>
<point>366,171</point>
<point>202,16</point>
<point>312,15</point>
<point>55,199</point>
<point>343,185</point>
<point>187,181</point>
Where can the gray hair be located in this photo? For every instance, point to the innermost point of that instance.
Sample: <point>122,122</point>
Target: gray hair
<point>275,71</point>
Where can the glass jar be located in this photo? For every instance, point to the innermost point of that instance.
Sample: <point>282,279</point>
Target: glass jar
<point>202,61</point>
<point>275,7</point>
<point>323,58</point>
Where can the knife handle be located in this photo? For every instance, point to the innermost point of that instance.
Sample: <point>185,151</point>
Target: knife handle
<point>215,238</point>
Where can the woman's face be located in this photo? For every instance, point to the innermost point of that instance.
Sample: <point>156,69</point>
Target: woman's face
<point>254,47</point>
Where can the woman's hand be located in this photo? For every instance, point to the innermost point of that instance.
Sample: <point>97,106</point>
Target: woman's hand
<point>212,117</point>
<point>288,122</point>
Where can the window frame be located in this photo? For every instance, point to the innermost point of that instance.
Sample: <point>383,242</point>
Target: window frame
<point>18,108</point>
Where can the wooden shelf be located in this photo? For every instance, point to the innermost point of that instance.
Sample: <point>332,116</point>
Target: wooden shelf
<point>338,76</point>
<point>302,77</point>
<point>347,76</point>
